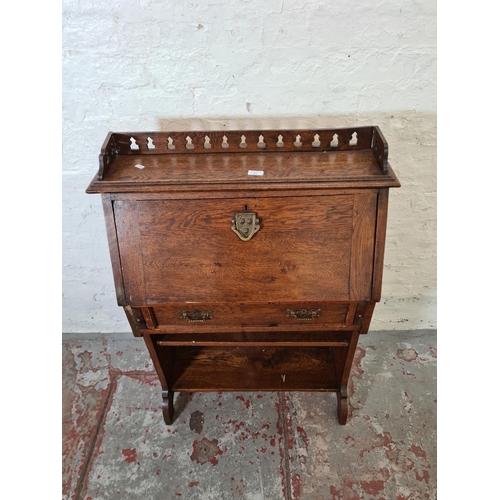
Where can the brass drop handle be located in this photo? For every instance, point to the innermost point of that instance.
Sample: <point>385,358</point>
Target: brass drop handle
<point>303,314</point>
<point>245,225</point>
<point>196,316</point>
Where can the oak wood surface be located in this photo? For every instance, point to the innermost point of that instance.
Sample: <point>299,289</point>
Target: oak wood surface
<point>211,194</point>
<point>249,314</point>
<point>152,349</point>
<point>365,325</point>
<point>305,326</point>
<point>169,160</point>
<point>135,319</point>
<point>295,256</point>
<point>364,219</point>
<point>215,310</point>
<point>327,338</point>
<point>380,149</point>
<point>307,249</point>
<point>243,141</point>
<point>149,317</point>
<point>108,153</point>
<point>253,368</point>
<point>350,313</point>
<point>109,219</point>
<point>380,232</point>
<point>129,242</point>
<point>214,169</point>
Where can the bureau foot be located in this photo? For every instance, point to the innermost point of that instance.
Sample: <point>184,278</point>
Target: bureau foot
<point>342,405</point>
<point>168,406</point>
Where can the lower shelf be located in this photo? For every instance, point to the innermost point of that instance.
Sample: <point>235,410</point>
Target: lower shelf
<point>207,369</point>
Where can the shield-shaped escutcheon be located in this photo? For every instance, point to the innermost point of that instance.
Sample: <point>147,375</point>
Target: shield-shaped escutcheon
<point>245,225</point>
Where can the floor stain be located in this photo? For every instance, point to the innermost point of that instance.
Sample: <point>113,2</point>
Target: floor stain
<point>196,421</point>
<point>407,354</point>
<point>205,451</point>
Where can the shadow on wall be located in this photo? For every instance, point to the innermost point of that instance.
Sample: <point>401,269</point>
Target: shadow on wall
<point>281,122</point>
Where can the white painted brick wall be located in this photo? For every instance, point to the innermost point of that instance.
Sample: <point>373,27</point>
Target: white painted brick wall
<point>157,65</point>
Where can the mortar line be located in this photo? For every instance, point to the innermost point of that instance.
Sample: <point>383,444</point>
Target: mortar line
<point>286,458</point>
<point>104,412</point>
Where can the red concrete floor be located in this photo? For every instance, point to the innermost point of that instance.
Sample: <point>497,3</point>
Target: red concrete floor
<point>267,446</point>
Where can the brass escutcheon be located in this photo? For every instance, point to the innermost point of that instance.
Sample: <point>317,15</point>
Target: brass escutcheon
<point>303,314</point>
<point>245,225</point>
<point>195,316</point>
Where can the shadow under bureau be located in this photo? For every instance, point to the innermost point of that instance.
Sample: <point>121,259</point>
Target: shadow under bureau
<point>247,260</point>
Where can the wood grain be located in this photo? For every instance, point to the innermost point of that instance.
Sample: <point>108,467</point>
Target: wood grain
<point>380,149</point>
<point>364,217</point>
<point>108,154</point>
<point>209,194</point>
<point>254,141</point>
<point>249,314</point>
<point>322,210</point>
<point>300,339</point>
<point>350,313</point>
<point>151,346</point>
<point>304,326</point>
<point>149,317</point>
<point>380,231</point>
<point>114,252</point>
<point>167,172</point>
<point>347,362</point>
<point>127,229</point>
<point>301,252</point>
<point>135,320</point>
<point>365,325</point>
<point>254,368</point>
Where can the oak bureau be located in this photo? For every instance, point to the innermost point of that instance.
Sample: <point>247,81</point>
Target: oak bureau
<point>247,260</point>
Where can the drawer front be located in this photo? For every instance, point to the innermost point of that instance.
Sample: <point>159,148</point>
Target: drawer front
<point>316,248</point>
<point>197,316</point>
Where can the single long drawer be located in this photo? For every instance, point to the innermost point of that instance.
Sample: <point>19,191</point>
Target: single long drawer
<point>200,315</point>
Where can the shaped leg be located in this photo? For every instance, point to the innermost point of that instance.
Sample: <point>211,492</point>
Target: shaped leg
<point>168,406</point>
<point>342,405</point>
<point>343,359</point>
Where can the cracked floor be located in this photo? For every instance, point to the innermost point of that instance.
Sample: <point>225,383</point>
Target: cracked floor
<point>253,446</point>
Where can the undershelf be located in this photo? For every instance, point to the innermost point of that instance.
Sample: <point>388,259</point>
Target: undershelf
<point>212,369</point>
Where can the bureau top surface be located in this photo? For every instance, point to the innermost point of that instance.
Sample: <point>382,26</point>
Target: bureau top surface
<point>162,161</point>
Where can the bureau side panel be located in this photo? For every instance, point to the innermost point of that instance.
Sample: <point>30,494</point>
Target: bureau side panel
<point>380,235</point>
<point>114,253</point>
<point>129,243</point>
<point>363,241</point>
<point>301,252</point>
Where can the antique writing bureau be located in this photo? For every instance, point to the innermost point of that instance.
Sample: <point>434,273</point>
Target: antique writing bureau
<point>247,260</point>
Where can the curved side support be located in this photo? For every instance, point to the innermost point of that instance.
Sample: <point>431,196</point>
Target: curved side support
<point>342,405</point>
<point>168,406</point>
<point>380,149</point>
<point>108,153</point>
